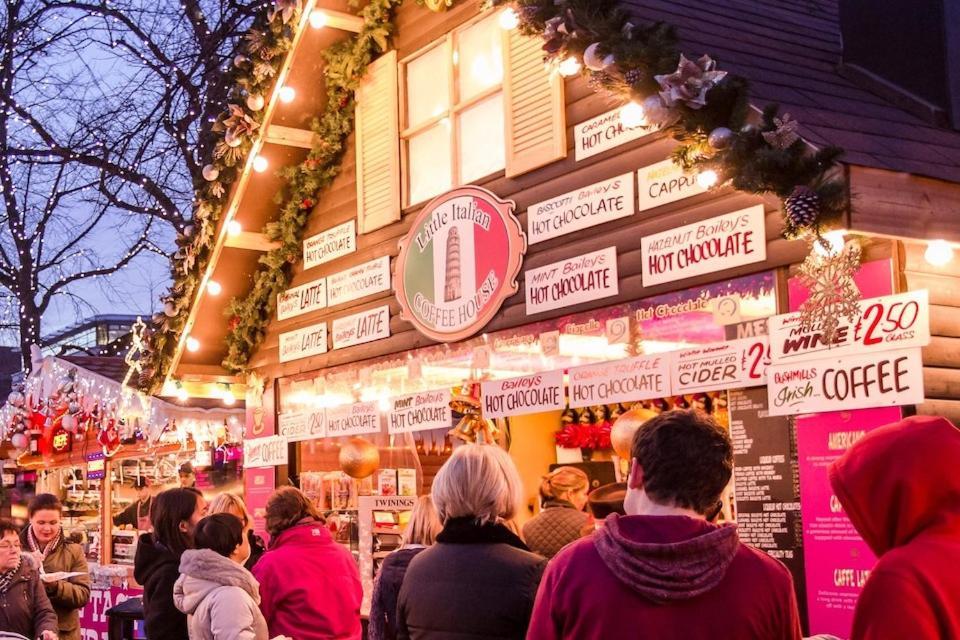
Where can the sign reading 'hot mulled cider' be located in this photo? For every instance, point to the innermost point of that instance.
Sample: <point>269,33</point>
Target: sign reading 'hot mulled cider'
<point>458,263</point>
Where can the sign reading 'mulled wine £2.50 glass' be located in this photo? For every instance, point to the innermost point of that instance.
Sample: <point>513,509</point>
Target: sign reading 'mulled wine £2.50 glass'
<point>458,263</point>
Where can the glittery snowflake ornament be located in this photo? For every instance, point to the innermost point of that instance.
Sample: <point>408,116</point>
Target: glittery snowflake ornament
<point>833,293</point>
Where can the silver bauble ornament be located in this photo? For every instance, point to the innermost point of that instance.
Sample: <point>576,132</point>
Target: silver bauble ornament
<point>188,230</point>
<point>720,138</point>
<point>69,423</point>
<point>20,441</point>
<point>15,398</point>
<point>210,173</point>
<point>239,60</point>
<point>73,407</point>
<point>255,102</point>
<point>232,139</point>
<point>169,309</point>
<point>592,59</point>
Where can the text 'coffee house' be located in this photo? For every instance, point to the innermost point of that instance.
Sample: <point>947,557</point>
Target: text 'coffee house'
<point>503,258</point>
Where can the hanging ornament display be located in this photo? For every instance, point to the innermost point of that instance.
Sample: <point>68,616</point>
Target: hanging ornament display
<point>802,209</point>
<point>210,173</point>
<point>689,84</point>
<point>596,62</point>
<point>359,458</point>
<point>473,427</point>
<point>621,435</point>
<point>255,102</point>
<point>720,138</point>
<point>833,292</point>
<point>784,133</point>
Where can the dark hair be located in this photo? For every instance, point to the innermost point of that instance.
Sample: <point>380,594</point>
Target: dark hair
<point>221,532</point>
<point>43,501</point>
<point>286,507</point>
<point>7,526</point>
<point>686,457</point>
<point>167,511</point>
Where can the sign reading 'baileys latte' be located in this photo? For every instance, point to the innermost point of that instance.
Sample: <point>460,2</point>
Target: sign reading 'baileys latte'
<point>458,263</point>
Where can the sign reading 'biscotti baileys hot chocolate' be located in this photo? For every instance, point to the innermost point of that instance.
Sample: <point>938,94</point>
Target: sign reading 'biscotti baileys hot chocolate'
<point>458,263</point>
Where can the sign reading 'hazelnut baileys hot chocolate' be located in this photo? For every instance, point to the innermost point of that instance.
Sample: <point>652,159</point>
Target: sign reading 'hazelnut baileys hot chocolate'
<point>458,263</point>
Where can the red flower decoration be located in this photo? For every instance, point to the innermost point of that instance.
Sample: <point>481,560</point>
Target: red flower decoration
<point>307,203</point>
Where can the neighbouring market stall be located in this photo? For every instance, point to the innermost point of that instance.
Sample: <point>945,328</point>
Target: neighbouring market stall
<point>88,439</point>
<point>529,288</point>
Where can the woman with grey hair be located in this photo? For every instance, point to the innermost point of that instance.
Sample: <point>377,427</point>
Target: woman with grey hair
<point>479,580</point>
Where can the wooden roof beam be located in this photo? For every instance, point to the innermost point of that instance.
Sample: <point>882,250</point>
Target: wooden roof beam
<point>336,20</point>
<point>290,136</point>
<point>250,240</point>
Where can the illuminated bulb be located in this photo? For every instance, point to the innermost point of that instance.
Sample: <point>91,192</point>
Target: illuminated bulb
<point>260,164</point>
<point>569,67</point>
<point>182,394</point>
<point>938,253</point>
<point>509,19</point>
<point>193,344</point>
<point>287,94</point>
<point>228,398</point>
<point>707,179</point>
<point>318,19</point>
<point>214,288</point>
<point>631,115</point>
<point>383,403</point>
<point>835,241</point>
<point>234,228</point>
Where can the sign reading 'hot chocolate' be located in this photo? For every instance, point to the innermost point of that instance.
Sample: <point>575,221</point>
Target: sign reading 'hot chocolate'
<point>458,263</point>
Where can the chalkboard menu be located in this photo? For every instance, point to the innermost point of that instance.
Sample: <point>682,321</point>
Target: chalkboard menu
<point>767,483</point>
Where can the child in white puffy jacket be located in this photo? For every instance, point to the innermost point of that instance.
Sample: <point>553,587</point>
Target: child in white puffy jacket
<point>220,597</point>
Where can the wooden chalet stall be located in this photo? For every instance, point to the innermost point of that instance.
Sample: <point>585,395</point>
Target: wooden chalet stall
<point>636,283</point>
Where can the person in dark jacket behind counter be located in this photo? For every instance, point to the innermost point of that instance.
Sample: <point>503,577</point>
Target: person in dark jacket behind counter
<point>137,515</point>
<point>563,494</point>
<point>45,540</point>
<point>175,515</point>
<point>421,532</point>
<point>665,571</point>
<point>480,579</point>
<point>24,606</point>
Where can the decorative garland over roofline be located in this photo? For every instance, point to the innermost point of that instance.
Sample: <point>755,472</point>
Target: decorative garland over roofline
<point>704,109</point>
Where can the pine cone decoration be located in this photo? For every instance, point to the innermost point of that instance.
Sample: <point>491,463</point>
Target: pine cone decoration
<point>633,76</point>
<point>802,207</point>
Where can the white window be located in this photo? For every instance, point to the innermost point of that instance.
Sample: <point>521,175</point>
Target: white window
<point>453,111</point>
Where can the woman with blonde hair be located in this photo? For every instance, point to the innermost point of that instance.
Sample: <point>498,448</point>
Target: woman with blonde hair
<point>479,580</point>
<point>234,505</point>
<point>563,496</point>
<point>421,532</point>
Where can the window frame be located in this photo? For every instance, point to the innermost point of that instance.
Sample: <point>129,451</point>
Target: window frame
<point>453,111</point>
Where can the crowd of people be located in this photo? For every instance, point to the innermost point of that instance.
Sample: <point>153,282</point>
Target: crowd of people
<point>651,562</point>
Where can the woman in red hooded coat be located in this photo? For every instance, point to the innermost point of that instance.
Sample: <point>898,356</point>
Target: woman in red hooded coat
<point>900,487</point>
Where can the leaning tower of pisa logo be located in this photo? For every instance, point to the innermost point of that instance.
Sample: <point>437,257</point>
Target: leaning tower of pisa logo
<point>451,288</point>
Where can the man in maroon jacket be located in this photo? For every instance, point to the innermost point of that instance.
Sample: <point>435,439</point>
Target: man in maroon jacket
<point>663,571</point>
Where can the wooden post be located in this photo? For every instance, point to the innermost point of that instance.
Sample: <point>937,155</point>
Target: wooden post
<point>106,513</point>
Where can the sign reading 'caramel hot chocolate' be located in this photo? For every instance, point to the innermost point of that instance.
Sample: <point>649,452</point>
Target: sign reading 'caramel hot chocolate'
<point>458,263</point>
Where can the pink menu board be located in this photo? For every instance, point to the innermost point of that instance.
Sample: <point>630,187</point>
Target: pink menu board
<point>259,483</point>
<point>837,560</point>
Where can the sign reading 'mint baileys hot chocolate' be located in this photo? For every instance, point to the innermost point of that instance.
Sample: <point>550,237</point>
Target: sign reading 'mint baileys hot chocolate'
<point>458,263</point>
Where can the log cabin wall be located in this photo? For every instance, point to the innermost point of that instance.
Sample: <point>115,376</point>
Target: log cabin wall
<point>417,28</point>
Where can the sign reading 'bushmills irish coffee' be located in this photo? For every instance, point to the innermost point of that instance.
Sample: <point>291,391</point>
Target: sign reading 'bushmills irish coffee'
<point>458,263</point>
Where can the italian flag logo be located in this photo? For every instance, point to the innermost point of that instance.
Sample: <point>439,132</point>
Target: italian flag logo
<point>458,263</point>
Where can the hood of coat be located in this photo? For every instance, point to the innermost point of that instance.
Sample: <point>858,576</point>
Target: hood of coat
<point>667,558</point>
<point>203,571</point>
<point>901,480</point>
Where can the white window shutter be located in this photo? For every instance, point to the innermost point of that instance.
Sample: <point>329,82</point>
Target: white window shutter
<point>536,130</point>
<point>378,145</point>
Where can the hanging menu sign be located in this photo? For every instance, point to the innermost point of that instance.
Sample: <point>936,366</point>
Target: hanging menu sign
<point>303,299</point>
<point>890,322</point>
<point>526,394</point>
<point>603,133</point>
<point>420,412</point>
<point>359,281</point>
<point>767,483</point>
<point>591,276</point>
<point>303,343</point>
<point>353,419</point>
<point>302,426</point>
<point>366,326</point>
<point>265,452</point>
<point>581,209</point>
<point>627,380</point>
<point>717,244</point>
<point>665,182</point>
<point>330,244</point>
<point>722,365</point>
<point>889,378</point>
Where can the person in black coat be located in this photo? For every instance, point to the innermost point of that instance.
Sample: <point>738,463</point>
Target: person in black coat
<point>156,566</point>
<point>479,580</point>
<point>421,532</point>
<point>137,515</point>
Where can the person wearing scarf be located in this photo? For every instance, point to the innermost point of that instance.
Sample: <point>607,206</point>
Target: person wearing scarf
<point>45,542</point>
<point>24,606</point>
<point>479,580</point>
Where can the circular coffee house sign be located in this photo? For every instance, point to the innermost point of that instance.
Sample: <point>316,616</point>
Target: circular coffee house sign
<point>458,263</point>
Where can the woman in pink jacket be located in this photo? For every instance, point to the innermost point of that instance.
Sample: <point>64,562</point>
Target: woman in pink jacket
<point>309,585</point>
